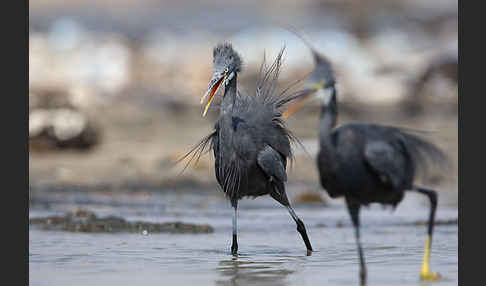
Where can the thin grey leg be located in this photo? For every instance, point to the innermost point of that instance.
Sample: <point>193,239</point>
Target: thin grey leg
<point>234,246</point>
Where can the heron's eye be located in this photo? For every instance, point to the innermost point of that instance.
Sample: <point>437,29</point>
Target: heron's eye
<point>226,70</point>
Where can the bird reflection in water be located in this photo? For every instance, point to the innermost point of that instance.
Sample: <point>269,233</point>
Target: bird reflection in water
<point>238,271</point>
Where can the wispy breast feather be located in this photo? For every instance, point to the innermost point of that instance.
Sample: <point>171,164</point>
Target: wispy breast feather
<point>204,145</point>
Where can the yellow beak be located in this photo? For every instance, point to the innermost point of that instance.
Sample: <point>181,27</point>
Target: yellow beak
<point>301,99</point>
<point>211,91</point>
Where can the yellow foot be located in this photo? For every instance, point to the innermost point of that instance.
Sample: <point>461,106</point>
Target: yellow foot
<point>425,273</point>
<point>429,275</point>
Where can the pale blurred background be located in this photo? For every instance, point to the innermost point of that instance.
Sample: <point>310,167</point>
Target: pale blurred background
<point>114,86</point>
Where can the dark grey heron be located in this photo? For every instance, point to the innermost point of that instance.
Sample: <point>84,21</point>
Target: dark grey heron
<point>250,142</point>
<point>367,163</point>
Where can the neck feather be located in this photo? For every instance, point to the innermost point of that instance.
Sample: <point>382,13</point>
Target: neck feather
<point>328,116</point>
<point>229,96</point>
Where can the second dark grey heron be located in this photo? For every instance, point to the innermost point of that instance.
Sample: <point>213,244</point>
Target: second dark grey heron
<point>250,142</point>
<point>367,163</point>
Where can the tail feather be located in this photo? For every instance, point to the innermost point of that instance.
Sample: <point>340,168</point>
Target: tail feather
<point>425,154</point>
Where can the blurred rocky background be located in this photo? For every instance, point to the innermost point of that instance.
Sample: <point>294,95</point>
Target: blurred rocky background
<point>114,86</point>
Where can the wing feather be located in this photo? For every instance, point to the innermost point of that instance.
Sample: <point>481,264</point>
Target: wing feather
<point>272,163</point>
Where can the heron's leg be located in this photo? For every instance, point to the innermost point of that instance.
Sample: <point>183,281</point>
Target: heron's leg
<point>301,229</point>
<point>425,273</point>
<point>234,245</point>
<point>300,224</point>
<point>353,209</point>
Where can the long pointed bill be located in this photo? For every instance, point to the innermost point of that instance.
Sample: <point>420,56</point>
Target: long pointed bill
<point>298,102</point>
<point>213,87</point>
<point>302,97</point>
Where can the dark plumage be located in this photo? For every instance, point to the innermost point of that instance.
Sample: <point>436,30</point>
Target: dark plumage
<point>372,163</point>
<point>368,163</point>
<point>250,142</point>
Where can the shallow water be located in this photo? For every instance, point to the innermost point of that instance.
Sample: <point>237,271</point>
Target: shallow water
<point>271,250</point>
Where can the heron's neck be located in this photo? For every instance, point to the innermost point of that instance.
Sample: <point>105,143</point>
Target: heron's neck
<point>229,96</point>
<point>328,116</point>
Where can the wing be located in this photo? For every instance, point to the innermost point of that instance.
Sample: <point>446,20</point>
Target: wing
<point>278,137</point>
<point>272,164</point>
<point>386,161</point>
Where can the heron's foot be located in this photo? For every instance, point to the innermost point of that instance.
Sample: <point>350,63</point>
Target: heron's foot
<point>362,278</point>
<point>427,275</point>
<point>234,251</point>
<point>234,247</point>
<point>309,252</point>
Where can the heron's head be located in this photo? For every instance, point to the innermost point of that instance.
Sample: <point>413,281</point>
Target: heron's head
<point>321,85</point>
<point>226,64</point>
<point>322,76</point>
